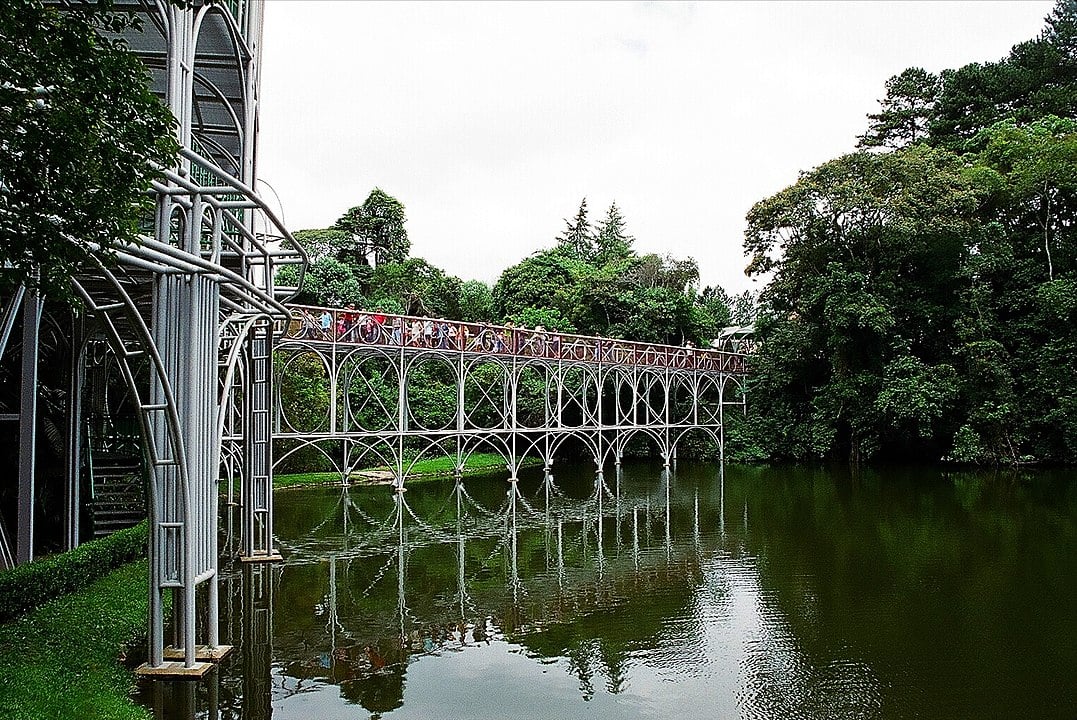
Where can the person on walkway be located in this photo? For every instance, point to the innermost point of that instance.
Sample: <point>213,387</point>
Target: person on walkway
<point>362,325</point>
<point>510,336</point>
<point>348,326</point>
<point>308,326</point>
<point>325,324</point>
<point>428,332</point>
<point>398,330</point>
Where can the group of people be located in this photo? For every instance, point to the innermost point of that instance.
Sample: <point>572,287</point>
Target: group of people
<point>352,326</point>
<point>375,328</point>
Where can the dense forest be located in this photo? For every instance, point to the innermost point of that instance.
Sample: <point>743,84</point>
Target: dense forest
<point>921,291</point>
<point>922,295</point>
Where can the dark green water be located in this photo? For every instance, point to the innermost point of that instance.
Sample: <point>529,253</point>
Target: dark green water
<point>778,593</point>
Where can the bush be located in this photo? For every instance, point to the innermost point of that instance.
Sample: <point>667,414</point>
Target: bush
<point>25,587</point>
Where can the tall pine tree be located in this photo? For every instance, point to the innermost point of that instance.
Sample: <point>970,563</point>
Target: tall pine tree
<point>612,243</point>
<point>577,238</point>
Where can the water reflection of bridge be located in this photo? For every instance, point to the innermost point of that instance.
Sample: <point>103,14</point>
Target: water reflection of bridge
<point>398,389</point>
<point>369,587</point>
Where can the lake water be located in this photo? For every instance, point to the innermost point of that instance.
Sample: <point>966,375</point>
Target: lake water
<point>753,593</point>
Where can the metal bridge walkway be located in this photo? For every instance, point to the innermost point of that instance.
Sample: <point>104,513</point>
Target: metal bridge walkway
<point>399,389</point>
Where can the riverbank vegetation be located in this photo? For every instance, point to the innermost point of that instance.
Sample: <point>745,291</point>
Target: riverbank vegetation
<point>25,587</point>
<point>475,464</point>
<point>922,294</point>
<point>60,660</point>
<point>64,621</point>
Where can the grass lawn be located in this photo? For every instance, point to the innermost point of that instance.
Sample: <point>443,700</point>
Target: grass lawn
<point>476,464</point>
<point>61,660</point>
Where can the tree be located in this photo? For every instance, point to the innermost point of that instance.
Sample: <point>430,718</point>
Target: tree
<point>323,242</point>
<point>331,279</point>
<point>1018,329</point>
<point>417,288</point>
<point>328,283</point>
<point>905,111</point>
<point>79,134</point>
<point>546,279</point>
<point>375,228</point>
<point>716,306</point>
<point>612,243</point>
<point>665,271</point>
<point>1038,78</point>
<point>867,254</point>
<point>577,239</point>
<point>476,302</point>
<point>1037,192</point>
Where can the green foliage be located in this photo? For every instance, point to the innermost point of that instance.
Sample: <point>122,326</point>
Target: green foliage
<point>80,130</point>
<point>322,242</point>
<point>374,228</point>
<point>665,271</point>
<point>923,300</point>
<point>866,250</point>
<point>547,279</point>
<point>62,660</point>
<point>906,110</point>
<point>1037,78</point>
<point>417,287</point>
<point>476,302</point>
<point>595,284</point>
<point>328,283</point>
<point>612,243</point>
<point>577,240</point>
<point>548,318</point>
<point>25,587</point>
<point>304,399</point>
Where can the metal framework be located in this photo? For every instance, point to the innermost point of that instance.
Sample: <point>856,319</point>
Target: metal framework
<point>518,393</point>
<point>188,315</point>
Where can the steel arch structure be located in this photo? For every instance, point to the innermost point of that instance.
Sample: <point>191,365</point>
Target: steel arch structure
<point>186,318</point>
<point>518,393</point>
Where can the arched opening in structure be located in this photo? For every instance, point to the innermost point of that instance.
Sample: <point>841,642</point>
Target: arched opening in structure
<point>368,390</point>
<point>486,394</point>
<point>305,391</point>
<point>430,391</point>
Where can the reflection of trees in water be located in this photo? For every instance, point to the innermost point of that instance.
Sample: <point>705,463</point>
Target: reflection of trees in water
<point>378,691</point>
<point>581,578</point>
<point>812,613</point>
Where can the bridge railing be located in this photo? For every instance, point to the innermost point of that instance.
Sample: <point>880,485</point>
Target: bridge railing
<point>360,327</point>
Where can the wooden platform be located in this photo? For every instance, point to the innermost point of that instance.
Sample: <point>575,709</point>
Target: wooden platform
<point>202,653</point>
<point>170,670</point>
<point>272,557</point>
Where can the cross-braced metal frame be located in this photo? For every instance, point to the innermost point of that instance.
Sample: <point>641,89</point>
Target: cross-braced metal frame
<point>189,315</point>
<point>517,393</point>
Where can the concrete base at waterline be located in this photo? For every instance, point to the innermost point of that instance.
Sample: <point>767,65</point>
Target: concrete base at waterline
<point>274,556</point>
<point>170,670</point>
<point>202,653</point>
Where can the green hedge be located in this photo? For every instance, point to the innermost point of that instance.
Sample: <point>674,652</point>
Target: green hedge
<point>25,587</point>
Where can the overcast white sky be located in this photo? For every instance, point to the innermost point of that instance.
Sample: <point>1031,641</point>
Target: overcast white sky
<point>490,121</point>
